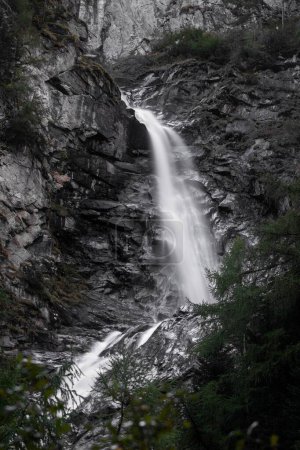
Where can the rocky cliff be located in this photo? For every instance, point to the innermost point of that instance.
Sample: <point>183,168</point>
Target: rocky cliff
<point>242,129</point>
<point>60,207</point>
<point>118,28</point>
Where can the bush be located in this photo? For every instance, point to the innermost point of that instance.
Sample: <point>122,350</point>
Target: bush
<point>23,123</point>
<point>24,21</point>
<point>143,415</point>
<point>190,42</point>
<point>282,41</point>
<point>257,47</point>
<point>23,112</point>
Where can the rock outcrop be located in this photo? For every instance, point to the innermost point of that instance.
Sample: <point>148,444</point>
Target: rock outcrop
<point>118,28</point>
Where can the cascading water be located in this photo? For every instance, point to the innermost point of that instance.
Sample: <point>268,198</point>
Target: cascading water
<point>185,228</point>
<point>93,362</point>
<point>90,364</point>
<point>185,231</point>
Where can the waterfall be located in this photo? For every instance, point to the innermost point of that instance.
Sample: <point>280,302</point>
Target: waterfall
<point>187,240</point>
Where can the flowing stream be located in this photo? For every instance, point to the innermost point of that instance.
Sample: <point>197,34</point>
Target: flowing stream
<point>186,240</point>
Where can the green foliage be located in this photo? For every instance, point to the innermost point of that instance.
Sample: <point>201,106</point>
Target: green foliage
<point>25,21</point>
<point>23,119</point>
<point>250,360</point>
<point>64,285</point>
<point>261,46</point>
<point>282,40</point>
<point>144,415</point>
<point>32,399</point>
<point>190,42</point>
<point>12,314</point>
<point>23,111</point>
<point>255,47</point>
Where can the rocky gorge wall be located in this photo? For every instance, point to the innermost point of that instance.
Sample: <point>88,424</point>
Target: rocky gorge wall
<point>77,207</point>
<point>60,207</point>
<point>242,130</point>
<point>119,28</point>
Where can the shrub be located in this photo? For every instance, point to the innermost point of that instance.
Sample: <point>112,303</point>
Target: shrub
<point>23,123</point>
<point>22,112</point>
<point>282,41</point>
<point>190,42</point>
<point>257,47</point>
<point>24,21</point>
<point>143,415</point>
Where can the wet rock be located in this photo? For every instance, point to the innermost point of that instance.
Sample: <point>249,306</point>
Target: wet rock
<point>229,203</point>
<point>77,202</point>
<point>6,342</point>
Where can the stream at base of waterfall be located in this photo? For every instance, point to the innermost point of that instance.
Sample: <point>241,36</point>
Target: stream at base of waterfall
<point>187,241</point>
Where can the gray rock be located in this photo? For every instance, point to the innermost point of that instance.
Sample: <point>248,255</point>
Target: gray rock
<point>142,21</point>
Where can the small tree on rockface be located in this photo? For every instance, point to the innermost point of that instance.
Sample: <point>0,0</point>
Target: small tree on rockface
<point>22,110</point>
<point>124,377</point>
<point>142,409</point>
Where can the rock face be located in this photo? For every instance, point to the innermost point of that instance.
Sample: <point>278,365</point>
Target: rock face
<point>238,125</point>
<point>70,213</point>
<point>78,210</point>
<point>118,28</point>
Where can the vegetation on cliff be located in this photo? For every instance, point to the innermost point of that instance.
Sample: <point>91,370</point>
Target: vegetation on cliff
<point>25,21</point>
<point>22,110</point>
<point>258,45</point>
